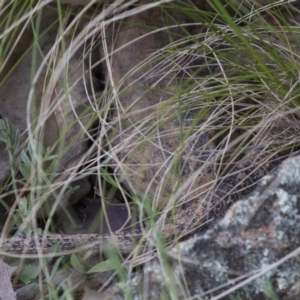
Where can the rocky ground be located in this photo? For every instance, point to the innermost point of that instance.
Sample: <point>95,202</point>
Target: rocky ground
<point>133,103</point>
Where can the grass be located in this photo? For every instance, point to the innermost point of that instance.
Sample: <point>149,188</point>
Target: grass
<point>236,75</point>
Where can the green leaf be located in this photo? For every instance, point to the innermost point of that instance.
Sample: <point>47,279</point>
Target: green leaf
<point>16,141</point>
<point>58,263</point>
<point>23,206</point>
<point>269,290</point>
<point>51,157</point>
<point>29,273</point>
<point>25,170</point>
<point>104,266</point>
<point>25,158</point>
<point>76,264</point>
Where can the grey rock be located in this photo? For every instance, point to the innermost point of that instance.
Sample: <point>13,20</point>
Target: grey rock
<point>256,242</point>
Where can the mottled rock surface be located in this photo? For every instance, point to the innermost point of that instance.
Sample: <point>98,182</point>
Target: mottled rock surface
<point>256,242</point>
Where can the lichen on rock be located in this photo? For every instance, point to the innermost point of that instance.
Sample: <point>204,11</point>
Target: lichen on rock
<point>256,242</point>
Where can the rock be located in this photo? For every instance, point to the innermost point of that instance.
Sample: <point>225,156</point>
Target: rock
<point>255,243</point>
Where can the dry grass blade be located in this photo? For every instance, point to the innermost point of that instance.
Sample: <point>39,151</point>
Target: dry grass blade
<point>174,108</point>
